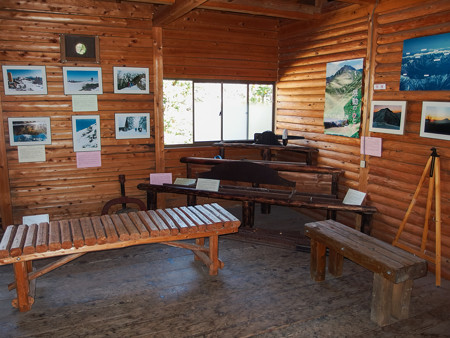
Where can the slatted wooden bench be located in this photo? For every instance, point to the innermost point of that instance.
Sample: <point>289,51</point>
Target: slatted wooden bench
<point>394,269</point>
<point>73,238</point>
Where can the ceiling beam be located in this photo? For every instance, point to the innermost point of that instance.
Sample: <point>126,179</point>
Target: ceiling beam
<point>265,8</point>
<point>169,14</point>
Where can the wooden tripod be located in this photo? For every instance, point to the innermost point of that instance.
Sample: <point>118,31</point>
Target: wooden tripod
<point>433,168</point>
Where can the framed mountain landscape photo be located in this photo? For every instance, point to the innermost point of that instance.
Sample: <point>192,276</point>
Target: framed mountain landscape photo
<point>132,125</point>
<point>388,117</point>
<point>86,132</point>
<point>129,80</point>
<point>435,120</point>
<point>24,80</point>
<point>82,80</point>
<point>26,131</point>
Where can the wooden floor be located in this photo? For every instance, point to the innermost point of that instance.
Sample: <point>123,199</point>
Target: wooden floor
<point>263,290</point>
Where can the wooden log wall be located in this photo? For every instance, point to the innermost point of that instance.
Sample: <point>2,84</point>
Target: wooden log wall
<point>218,46</point>
<point>30,36</point>
<point>389,180</point>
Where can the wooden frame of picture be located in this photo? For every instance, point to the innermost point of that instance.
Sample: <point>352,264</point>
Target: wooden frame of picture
<point>82,80</point>
<point>435,121</point>
<point>388,117</point>
<point>29,131</point>
<point>24,80</point>
<point>131,80</point>
<point>86,132</point>
<point>79,48</point>
<point>128,128</point>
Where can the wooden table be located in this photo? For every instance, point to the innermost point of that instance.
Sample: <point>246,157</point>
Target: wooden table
<point>266,150</point>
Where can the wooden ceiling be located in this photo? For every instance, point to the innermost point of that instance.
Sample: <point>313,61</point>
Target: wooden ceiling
<point>170,10</point>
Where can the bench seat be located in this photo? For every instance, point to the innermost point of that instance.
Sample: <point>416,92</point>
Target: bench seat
<point>394,269</point>
<point>73,238</point>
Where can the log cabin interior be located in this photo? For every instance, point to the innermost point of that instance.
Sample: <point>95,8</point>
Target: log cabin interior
<point>282,48</point>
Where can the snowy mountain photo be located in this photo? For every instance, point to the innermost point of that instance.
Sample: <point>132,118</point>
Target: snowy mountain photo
<point>132,126</point>
<point>129,80</point>
<point>82,80</point>
<point>24,80</point>
<point>86,133</point>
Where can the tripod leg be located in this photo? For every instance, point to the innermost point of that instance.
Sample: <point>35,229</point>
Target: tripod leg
<point>413,202</point>
<point>431,184</point>
<point>438,220</point>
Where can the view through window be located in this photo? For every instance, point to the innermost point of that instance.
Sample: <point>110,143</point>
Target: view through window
<point>199,111</point>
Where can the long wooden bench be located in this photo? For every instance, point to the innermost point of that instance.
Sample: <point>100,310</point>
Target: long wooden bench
<point>394,269</point>
<point>71,239</point>
<point>258,175</point>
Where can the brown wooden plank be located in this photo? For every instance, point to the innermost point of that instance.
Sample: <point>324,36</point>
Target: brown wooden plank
<point>162,226</point>
<point>29,246</point>
<point>7,240</point>
<point>216,222</point>
<point>19,240</point>
<point>143,231</point>
<point>120,228</point>
<point>234,220</point>
<point>191,225</point>
<point>54,242</point>
<point>110,229</point>
<point>66,234</point>
<point>225,221</point>
<point>88,231</point>
<point>129,225</point>
<point>149,224</point>
<point>206,221</point>
<point>191,213</point>
<point>168,221</point>
<point>182,226</point>
<point>42,237</point>
<point>99,230</point>
<point>77,233</point>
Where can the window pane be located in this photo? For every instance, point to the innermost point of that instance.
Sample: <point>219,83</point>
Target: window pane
<point>177,112</point>
<point>234,111</point>
<point>260,108</point>
<point>207,107</point>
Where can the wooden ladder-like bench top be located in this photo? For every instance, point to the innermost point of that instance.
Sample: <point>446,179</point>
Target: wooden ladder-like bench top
<point>394,269</point>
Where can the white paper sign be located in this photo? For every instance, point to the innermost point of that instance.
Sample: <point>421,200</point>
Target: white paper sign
<point>35,219</point>
<point>31,153</point>
<point>354,197</point>
<point>207,184</point>
<point>84,103</point>
<point>185,181</point>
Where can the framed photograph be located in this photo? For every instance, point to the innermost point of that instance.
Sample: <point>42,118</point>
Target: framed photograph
<point>132,125</point>
<point>24,80</point>
<point>128,80</point>
<point>82,80</point>
<point>79,48</point>
<point>435,120</point>
<point>86,132</point>
<point>388,117</point>
<point>29,131</point>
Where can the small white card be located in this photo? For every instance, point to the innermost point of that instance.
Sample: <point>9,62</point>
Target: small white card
<point>185,181</point>
<point>207,184</point>
<point>161,178</point>
<point>35,219</point>
<point>354,197</point>
<point>84,103</point>
<point>31,153</point>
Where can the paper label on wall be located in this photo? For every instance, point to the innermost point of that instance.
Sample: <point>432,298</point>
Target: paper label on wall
<point>354,197</point>
<point>84,103</point>
<point>371,146</point>
<point>35,219</point>
<point>207,184</point>
<point>161,178</point>
<point>31,153</point>
<point>89,159</point>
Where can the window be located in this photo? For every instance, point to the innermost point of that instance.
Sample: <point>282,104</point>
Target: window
<point>202,111</point>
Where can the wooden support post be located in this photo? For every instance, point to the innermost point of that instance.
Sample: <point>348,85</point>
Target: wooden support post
<point>401,295</point>
<point>381,300</point>
<point>214,254</point>
<point>318,260</point>
<point>335,263</point>
<point>23,301</point>
<point>200,242</point>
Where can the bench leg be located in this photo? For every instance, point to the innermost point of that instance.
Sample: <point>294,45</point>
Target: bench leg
<point>318,261</point>
<point>248,213</point>
<point>23,301</point>
<point>390,301</point>
<point>214,255</point>
<point>335,263</point>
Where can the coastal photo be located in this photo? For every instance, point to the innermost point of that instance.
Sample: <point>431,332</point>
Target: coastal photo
<point>82,80</point>
<point>130,126</point>
<point>29,131</point>
<point>24,80</point>
<point>435,120</point>
<point>86,132</point>
<point>426,63</point>
<point>388,117</point>
<point>129,80</point>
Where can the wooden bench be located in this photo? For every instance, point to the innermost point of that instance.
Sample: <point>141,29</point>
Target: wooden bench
<point>394,269</point>
<point>73,238</point>
<point>257,175</point>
